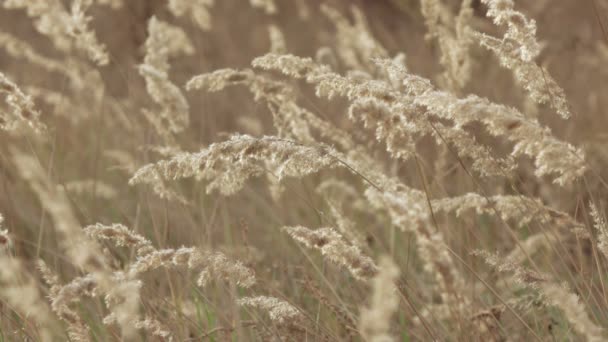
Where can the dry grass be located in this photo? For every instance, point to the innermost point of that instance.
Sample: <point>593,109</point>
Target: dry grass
<point>277,170</point>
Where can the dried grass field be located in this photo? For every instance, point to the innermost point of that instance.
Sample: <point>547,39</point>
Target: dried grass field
<point>303,170</point>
